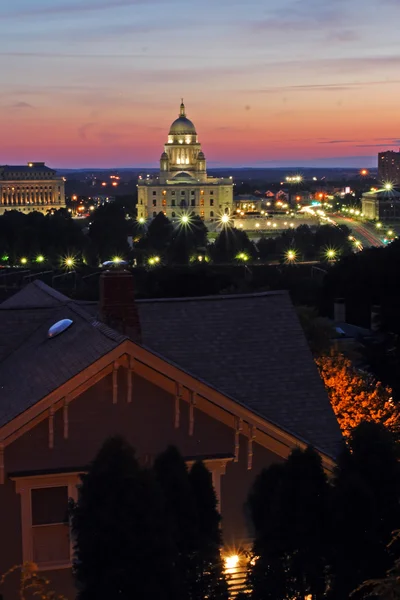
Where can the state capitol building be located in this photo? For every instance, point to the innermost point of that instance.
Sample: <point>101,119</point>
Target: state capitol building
<point>182,186</point>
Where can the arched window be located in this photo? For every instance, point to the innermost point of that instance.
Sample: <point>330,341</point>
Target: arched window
<point>173,214</point>
<point>211,213</point>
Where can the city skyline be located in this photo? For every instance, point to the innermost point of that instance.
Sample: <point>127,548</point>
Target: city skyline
<point>97,84</point>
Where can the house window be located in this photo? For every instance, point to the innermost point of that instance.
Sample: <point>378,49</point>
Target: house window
<point>211,213</point>
<point>172,214</point>
<point>193,202</point>
<point>182,193</point>
<point>211,193</point>
<point>44,519</point>
<point>211,201</point>
<point>192,193</point>
<point>173,193</point>
<point>154,202</point>
<point>154,214</point>
<point>173,202</point>
<point>154,193</point>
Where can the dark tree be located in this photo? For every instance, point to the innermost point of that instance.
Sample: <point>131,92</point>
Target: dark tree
<point>211,581</point>
<point>122,547</point>
<point>109,232</point>
<point>159,234</point>
<point>366,508</point>
<point>173,478</point>
<point>187,240</point>
<point>229,243</point>
<point>289,509</point>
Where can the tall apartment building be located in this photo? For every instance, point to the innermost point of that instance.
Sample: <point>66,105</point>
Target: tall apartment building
<point>29,188</point>
<point>389,167</point>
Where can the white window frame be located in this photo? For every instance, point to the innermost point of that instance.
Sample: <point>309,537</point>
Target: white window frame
<point>24,487</point>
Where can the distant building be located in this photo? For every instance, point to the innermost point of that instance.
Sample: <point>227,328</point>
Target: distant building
<point>248,203</point>
<point>182,185</point>
<point>381,204</point>
<point>389,167</point>
<point>29,188</point>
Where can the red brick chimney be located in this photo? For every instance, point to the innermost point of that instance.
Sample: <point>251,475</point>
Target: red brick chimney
<point>118,309</point>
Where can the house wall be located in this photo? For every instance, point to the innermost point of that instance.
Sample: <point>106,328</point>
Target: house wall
<point>148,424</point>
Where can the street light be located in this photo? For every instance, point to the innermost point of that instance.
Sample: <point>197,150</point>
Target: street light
<point>330,254</point>
<point>69,262</point>
<point>40,258</point>
<point>141,220</point>
<point>24,260</point>
<point>291,256</point>
<point>388,186</point>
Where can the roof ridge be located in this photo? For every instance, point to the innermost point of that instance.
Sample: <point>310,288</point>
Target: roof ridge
<point>50,291</point>
<point>216,297</point>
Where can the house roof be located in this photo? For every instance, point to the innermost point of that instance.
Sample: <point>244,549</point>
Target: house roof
<point>31,364</point>
<point>251,348</point>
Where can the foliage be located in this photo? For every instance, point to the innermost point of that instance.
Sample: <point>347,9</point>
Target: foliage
<point>109,231</point>
<point>35,233</point>
<point>31,582</point>
<point>229,243</point>
<point>365,508</point>
<point>317,330</point>
<point>211,582</point>
<point>356,396</point>
<point>388,587</point>
<point>194,523</point>
<point>288,505</point>
<point>122,548</point>
<point>172,475</point>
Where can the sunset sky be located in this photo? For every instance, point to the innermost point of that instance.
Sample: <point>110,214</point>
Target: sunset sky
<point>97,83</point>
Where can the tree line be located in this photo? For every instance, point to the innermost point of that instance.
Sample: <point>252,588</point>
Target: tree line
<point>104,236</point>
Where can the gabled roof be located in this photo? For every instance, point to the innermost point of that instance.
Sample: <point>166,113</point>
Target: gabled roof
<point>31,364</point>
<point>250,348</point>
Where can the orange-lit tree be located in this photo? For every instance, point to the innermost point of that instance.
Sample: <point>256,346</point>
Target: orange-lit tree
<point>31,583</point>
<point>356,396</point>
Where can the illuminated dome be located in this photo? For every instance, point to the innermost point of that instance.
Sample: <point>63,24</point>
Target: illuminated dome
<point>182,125</point>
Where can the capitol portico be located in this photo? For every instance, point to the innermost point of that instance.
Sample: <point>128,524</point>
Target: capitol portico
<point>183,185</point>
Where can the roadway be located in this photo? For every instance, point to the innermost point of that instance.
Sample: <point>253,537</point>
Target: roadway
<point>366,234</point>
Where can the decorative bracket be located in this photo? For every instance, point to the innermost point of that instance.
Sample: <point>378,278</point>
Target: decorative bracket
<point>192,404</point>
<point>178,397</point>
<point>131,370</point>
<point>238,429</point>
<point>252,436</point>
<point>115,383</point>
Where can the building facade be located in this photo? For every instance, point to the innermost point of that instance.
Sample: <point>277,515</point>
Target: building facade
<point>29,188</point>
<point>389,167</point>
<point>182,185</point>
<point>381,204</point>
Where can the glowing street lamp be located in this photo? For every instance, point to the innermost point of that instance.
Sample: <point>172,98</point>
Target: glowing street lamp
<point>330,254</point>
<point>117,260</point>
<point>225,219</point>
<point>364,172</point>
<point>40,258</point>
<point>388,186</point>
<point>243,256</point>
<point>291,256</point>
<point>69,262</point>
<point>141,220</point>
<point>24,260</point>
<point>153,260</point>
<point>379,225</point>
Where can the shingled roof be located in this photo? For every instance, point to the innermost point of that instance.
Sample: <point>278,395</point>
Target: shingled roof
<point>249,347</point>
<point>31,364</point>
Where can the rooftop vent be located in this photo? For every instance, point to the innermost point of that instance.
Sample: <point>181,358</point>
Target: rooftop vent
<point>59,328</point>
